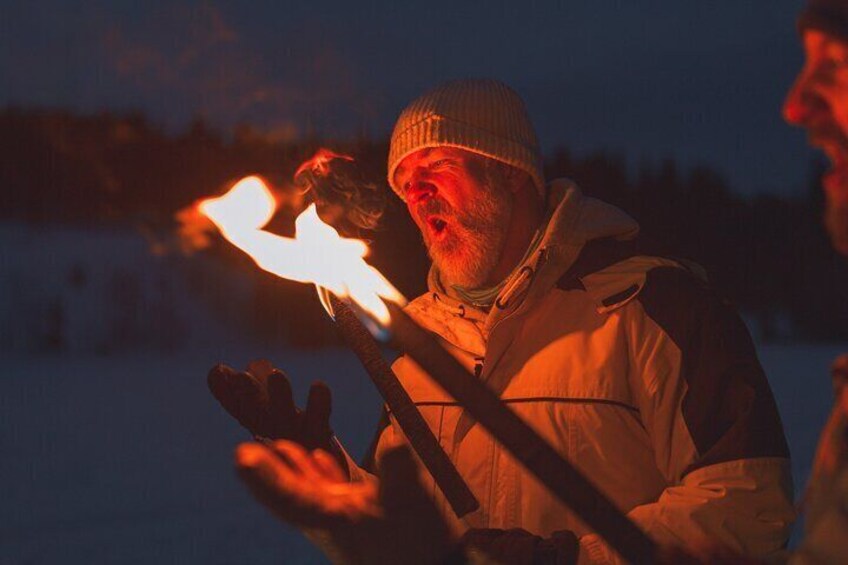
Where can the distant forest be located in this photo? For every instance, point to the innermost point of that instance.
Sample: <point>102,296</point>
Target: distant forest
<point>769,255</point>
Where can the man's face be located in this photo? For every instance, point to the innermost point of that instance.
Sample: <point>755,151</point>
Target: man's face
<point>818,102</point>
<point>462,205</point>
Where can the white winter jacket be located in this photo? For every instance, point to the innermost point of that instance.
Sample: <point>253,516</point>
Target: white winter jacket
<point>633,369</point>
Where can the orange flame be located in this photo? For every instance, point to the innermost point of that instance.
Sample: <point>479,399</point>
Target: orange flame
<point>317,254</point>
<point>194,229</point>
<point>320,162</point>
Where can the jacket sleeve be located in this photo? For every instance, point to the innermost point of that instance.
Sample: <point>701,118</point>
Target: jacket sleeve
<point>367,469</point>
<point>712,420</point>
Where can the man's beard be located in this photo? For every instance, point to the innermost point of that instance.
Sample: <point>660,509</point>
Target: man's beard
<point>469,250</point>
<point>836,208</point>
<point>834,142</point>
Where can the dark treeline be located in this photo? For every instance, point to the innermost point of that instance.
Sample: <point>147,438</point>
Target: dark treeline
<point>770,255</point>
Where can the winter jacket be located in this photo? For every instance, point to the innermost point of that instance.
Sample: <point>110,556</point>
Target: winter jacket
<point>633,369</point>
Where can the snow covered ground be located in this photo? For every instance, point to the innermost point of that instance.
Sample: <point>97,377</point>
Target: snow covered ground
<point>800,378</point>
<point>114,451</point>
<point>127,459</point>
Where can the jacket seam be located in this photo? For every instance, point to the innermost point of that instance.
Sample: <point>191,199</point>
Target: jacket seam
<point>555,399</point>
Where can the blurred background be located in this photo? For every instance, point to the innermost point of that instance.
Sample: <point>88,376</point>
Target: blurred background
<point>116,117</point>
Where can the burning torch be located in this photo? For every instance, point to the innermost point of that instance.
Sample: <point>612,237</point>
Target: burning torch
<point>336,265</point>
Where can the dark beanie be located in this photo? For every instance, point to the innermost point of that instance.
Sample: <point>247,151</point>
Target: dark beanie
<point>829,16</point>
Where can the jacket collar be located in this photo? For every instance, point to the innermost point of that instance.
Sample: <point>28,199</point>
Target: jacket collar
<point>575,220</point>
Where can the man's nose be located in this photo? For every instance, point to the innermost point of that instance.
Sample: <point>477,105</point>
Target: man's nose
<point>419,190</point>
<point>799,102</point>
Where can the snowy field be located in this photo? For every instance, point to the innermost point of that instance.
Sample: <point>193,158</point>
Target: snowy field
<point>128,459</point>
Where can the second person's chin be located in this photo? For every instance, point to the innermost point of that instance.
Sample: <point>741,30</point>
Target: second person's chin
<point>836,183</point>
<point>836,221</point>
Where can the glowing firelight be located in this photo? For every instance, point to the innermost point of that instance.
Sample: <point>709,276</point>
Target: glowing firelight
<point>317,254</point>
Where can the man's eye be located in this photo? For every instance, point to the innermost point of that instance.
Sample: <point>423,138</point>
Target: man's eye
<point>825,69</point>
<point>834,60</point>
<point>439,163</point>
<point>832,63</point>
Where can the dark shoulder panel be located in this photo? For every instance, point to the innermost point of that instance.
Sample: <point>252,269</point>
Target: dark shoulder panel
<point>729,408</point>
<point>599,254</point>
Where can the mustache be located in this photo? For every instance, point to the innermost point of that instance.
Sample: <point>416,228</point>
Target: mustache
<point>434,207</point>
<point>828,133</point>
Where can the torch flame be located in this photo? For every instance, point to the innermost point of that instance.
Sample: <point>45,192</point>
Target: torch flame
<point>317,254</point>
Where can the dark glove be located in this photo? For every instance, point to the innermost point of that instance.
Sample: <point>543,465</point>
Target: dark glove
<point>523,548</point>
<point>261,400</point>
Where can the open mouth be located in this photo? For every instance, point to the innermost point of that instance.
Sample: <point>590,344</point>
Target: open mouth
<point>835,145</point>
<point>831,140</point>
<point>437,225</point>
<point>835,182</point>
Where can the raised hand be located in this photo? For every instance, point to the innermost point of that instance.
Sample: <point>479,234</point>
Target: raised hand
<point>261,399</point>
<point>353,522</point>
<point>305,489</point>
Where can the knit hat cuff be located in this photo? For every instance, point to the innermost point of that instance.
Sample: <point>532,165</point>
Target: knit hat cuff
<point>821,18</point>
<point>440,131</point>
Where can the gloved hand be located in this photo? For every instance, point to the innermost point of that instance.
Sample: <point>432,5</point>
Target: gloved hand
<point>390,521</point>
<point>521,547</point>
<point>261,400</point>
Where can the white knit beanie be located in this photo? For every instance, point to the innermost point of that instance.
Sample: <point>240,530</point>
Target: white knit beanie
<point>482,116</point>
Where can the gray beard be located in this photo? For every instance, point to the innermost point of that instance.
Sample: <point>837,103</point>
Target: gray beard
<point>470,251</point>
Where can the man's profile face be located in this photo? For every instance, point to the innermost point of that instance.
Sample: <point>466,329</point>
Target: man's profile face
<point>818,102</point>
<point>462,206</point>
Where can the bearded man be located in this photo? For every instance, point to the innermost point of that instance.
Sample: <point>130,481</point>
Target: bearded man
<point>622,357</point>
<point>818,101</point>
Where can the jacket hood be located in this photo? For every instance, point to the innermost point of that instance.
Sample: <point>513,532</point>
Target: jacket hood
<point>575,220</point>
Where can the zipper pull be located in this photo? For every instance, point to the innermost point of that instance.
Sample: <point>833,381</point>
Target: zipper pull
<point>478,367</point>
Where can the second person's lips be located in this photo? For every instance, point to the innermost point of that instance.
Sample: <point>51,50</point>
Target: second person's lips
<point>836,183</point>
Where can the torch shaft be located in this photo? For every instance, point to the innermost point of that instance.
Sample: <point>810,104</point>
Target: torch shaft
<point>519,439</point>
<point>416,430</point>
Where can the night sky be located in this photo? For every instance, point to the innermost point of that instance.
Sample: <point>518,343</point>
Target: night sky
<point>700,81</point>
